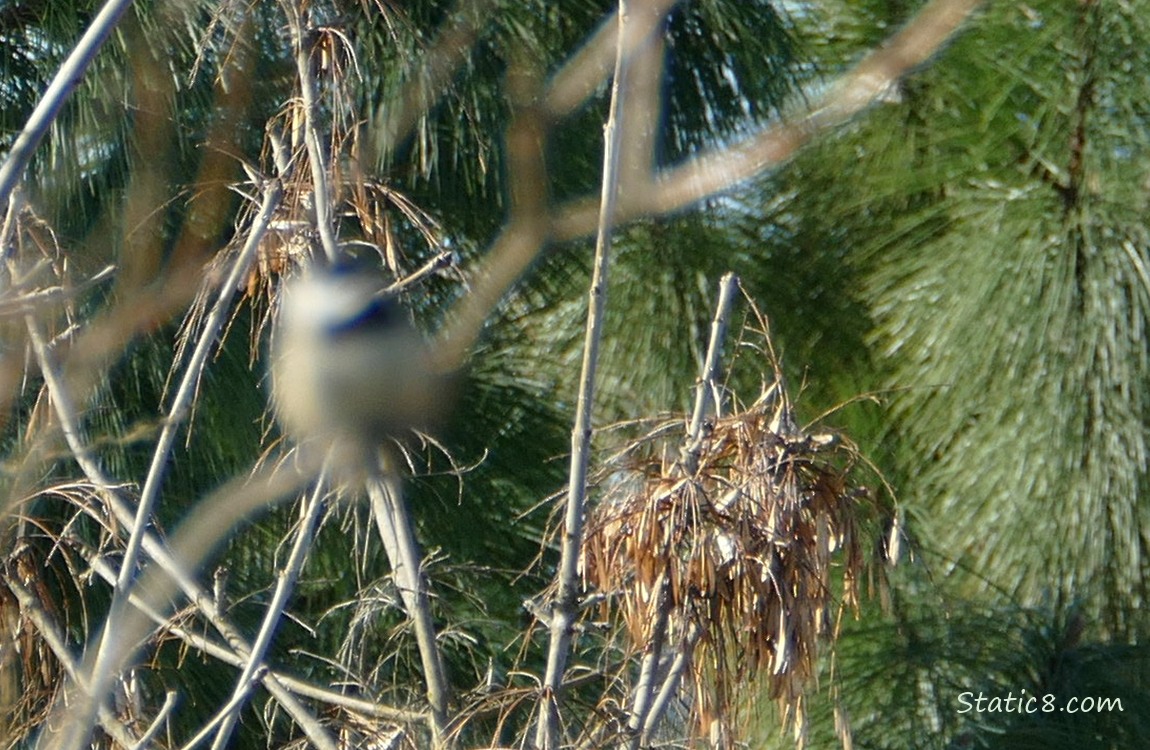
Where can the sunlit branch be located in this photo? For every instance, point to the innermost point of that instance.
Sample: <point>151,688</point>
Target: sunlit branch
<point>723,167</point>
<point>285,584</point>
<point>394,522</point>
<point>564,608</point>
<point>67,78</point>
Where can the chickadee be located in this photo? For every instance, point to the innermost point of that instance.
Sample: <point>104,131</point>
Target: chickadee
<point>348,369</point>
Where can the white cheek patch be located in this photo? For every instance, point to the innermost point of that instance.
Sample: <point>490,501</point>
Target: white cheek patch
<point>322,304</point>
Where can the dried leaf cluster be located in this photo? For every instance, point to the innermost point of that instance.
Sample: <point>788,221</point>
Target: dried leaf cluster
<point>748,561</point>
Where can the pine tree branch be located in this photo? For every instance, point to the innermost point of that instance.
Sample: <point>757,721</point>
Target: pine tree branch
<point>522,237</point>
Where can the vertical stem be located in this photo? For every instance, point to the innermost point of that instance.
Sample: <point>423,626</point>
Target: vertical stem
<point>316,152</point>
<point>394,522</point>
<point>565,607</point>
<point>705,402</point>
<point>647,707</point>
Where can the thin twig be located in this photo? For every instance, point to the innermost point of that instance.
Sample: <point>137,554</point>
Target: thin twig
<point>653,656</point>
<point>54,637</point>
<point>705,401</point>
<point>394,522</point>
<point>312,510</point>
<point>181,402</point>
<point>159,553</point>
<point>317,153</point>
<point>439,261</point>
<point>228,711</point>
<point>67,78</point>
<point>145,741</point>
<point>565,607</point>
<point>177,412</point>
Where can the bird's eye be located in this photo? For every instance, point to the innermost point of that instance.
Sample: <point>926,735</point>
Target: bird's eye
<point>378,313</point>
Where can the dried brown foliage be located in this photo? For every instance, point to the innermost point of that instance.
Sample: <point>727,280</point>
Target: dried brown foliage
<point>748,561</point>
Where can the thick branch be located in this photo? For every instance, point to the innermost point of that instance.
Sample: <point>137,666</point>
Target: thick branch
<point>723,167</point>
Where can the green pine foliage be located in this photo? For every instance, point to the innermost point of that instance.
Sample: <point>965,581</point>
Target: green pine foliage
<point>959,279</point>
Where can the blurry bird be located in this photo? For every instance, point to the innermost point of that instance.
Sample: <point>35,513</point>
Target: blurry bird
<point>349,370</point>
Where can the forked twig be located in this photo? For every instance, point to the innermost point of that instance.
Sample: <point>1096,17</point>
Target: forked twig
<point>54,637</point>
<point>248,679</point>
<point>206,526</point>
<point>276,683</point>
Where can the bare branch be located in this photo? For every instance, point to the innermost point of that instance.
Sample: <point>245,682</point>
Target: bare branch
<point>67,78</point>
<point>50,631</point>
<point>640,723</point>
<point>394,522</point>
<point>723,167</point>
<point>565,607</point>
<point>706,401</point>
<point>322,195</point>
<point>181,402</point>
<point>312,509</point>
<point>210,522</point>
